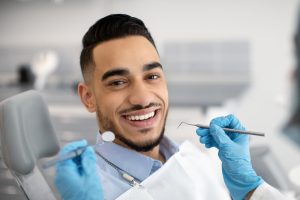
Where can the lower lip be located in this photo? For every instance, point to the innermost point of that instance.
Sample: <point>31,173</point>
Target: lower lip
<point>144,123</point>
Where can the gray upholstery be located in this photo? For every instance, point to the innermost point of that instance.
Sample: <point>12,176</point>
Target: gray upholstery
<point>26,132</point>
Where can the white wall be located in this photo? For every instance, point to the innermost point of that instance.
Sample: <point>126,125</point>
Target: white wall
<point>46,23</point>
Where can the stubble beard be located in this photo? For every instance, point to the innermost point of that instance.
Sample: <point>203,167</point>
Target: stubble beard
<point>144,146</point>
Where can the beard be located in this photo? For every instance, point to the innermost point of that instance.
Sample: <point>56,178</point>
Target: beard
<point>144,146</point>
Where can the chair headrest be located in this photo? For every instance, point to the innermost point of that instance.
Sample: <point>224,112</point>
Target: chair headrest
<point>26,131</point>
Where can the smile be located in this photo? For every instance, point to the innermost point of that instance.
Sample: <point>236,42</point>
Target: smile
<point>144,118</point>
<point>140,117</point>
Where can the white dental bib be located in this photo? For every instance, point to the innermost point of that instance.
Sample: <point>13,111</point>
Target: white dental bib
<point>186,175</point>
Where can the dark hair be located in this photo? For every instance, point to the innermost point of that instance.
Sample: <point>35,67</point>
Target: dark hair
<point>110,27</point>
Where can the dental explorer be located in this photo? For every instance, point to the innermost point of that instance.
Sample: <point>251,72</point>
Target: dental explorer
<point>226,129</point>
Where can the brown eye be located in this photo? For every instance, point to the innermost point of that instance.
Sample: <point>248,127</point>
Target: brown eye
<point>153,77</point>
<point>117,83</point>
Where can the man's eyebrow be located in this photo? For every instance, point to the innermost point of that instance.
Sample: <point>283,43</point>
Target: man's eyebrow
<point>123,72</point>
<point>152,65</point>
<point>114,72</point>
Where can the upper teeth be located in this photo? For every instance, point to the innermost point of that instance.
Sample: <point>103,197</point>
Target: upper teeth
<point>140,117</point>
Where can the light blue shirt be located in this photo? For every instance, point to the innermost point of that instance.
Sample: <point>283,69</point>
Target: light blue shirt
<point>134,163</point>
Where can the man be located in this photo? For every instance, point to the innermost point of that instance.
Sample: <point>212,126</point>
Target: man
<point>124,84</point>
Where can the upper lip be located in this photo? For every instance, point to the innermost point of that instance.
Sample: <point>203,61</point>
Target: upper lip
<point>142,111</point>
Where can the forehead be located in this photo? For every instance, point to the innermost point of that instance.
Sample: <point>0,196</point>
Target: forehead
<point>129,52</point>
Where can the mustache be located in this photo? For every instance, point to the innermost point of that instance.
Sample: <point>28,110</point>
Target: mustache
<point>139,107</point>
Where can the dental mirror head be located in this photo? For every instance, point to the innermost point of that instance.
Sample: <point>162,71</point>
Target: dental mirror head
<point>108,136</point>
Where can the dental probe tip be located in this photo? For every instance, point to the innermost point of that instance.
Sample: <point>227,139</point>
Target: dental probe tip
<point>185,123</point>
<point>179,124</point>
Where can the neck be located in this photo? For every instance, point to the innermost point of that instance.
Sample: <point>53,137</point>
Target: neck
<point>154,153</point>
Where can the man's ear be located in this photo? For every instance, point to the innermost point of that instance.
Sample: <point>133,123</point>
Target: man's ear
<point>87,97</point>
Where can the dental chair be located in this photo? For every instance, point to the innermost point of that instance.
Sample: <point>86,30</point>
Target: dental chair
<point>27,135</point>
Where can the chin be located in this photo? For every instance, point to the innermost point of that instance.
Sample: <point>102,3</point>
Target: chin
<point>144,142</point>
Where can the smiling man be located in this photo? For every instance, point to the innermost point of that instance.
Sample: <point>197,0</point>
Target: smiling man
<point>127,89</point>
<point>124,84</point>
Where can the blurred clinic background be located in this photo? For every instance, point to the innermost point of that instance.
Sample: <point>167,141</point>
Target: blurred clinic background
<point>219,56</point>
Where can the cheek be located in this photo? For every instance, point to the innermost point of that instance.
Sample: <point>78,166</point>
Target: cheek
<point>109,105</point>
<point>163,93</point>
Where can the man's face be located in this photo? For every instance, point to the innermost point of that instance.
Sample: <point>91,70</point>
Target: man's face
<point>128,91</point>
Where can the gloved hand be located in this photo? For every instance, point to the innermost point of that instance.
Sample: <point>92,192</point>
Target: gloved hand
<point>239,176</point>
<point>77,178</point>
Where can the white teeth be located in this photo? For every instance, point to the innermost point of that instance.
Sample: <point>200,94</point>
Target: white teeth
<point>140,117</point>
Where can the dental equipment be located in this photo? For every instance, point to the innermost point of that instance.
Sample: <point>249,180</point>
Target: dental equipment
<point>226,129</point>
<point>107,136</point>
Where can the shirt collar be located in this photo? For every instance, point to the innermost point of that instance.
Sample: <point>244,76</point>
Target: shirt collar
<point>127,159</point>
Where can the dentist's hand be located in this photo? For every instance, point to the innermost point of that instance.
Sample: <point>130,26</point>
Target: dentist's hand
<point>77,179</point>
<point>239,176</point>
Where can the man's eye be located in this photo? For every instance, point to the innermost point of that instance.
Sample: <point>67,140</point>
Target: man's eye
<point>153,76</point>
<point>117,83</point>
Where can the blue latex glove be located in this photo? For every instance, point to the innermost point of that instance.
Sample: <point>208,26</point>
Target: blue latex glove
<point>77,179</point>
<point>239,176</point>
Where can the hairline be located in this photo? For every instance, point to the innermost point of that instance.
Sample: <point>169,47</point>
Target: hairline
<point>90,67</point>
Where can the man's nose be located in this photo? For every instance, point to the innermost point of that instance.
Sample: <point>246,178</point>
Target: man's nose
<point>140,95</point>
